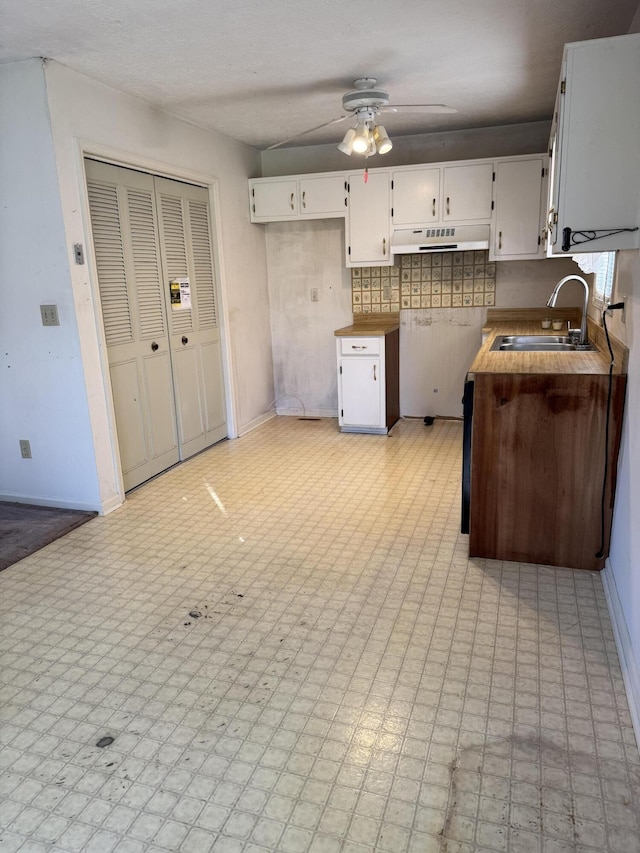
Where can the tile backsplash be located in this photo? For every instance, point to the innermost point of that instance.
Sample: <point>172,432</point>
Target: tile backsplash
<point>437,280</point>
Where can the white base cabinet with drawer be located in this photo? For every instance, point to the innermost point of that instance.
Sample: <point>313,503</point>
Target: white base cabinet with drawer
<point>368,383</point>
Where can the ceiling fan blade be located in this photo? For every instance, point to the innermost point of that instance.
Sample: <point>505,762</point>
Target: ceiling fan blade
<point>304,132</point>
<point>418,108</point>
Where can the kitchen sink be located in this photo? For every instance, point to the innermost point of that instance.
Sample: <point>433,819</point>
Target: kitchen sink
<point>539,343</point>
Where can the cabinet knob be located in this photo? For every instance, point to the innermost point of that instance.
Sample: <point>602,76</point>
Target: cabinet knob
<point>185,340</point>
<point>291,202</point>
<point>304,193</point>
<point>155,346</point>
<point>384,247</point>
<point>433,208</point>
<point>375,377</point>
<point>499,239</point>
<point>448,210</point>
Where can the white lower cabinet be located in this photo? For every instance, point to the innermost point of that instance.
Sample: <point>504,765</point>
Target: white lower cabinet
<point>368,383</point>
<point>362,385</point>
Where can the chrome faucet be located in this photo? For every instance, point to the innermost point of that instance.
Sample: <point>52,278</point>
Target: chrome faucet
<point>551,303</point>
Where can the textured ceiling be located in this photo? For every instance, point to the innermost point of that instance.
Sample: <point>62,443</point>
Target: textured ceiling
<point>263,71</point>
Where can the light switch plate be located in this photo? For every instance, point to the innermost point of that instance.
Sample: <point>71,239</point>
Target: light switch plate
<point>49,315</point>
<point>25,448</point>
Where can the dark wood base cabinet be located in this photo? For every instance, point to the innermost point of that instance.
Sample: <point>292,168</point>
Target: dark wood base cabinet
<point>537,467</point>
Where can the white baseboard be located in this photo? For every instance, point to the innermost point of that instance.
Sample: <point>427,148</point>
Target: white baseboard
<point>110,504</point>
<point>628,662</point>
<point>256,422</point>
<point>35,500</point>
<point>299,412</point>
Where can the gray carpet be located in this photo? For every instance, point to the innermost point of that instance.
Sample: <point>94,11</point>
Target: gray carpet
<point>25,528</point>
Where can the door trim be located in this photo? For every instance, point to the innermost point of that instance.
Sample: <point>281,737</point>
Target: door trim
<point>116,157</point>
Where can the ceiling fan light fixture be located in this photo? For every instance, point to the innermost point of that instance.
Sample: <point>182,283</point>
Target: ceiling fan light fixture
<point>346,146</point>
<point>382,141</point>
<point>360,143</point>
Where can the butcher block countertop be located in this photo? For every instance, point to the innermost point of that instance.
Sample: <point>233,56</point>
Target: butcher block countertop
<point>375,325</point>
<point>578,362</point>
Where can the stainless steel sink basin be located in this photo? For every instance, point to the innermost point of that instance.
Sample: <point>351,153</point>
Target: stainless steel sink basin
<point>539,343</point>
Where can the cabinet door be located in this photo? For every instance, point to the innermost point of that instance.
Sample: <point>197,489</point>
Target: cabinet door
<point>369,220</point>
<point>361,392</point>
<point>518,198</point>
<point>467,192</point>
<point>415,197</point>
<point>324,196</point>
<point>597,180</point>
<point>274,199</point>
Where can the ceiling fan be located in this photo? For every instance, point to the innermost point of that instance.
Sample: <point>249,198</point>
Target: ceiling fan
<point>364,104</point>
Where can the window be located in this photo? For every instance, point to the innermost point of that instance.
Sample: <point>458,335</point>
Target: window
<point>603,279</point>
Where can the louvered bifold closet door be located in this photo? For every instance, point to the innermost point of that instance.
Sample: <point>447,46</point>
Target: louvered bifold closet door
<point>127,257</point>
<point>187,255</point>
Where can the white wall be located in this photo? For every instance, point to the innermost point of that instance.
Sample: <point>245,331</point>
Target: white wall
<point>42,389</point>
<point>622,573</point>
<point>302,256</point>
<point>73,408</point>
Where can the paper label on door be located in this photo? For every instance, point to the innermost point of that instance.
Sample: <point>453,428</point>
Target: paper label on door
<point>180,290</point>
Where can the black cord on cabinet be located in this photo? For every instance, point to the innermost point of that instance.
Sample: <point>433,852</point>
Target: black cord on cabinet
<point>600,552</point>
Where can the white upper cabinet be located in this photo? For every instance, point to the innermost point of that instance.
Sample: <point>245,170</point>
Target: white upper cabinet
<point>436,194</point>
<point>273,200</point>
<point>519,200</point>
<point>415,196</point>
<point>306,197</point>
<point>323,195</point>
<point>369,220</point>
<point>595,141</point>
<point>466,192</point>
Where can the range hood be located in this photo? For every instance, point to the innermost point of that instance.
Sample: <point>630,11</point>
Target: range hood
<point>453,238</point>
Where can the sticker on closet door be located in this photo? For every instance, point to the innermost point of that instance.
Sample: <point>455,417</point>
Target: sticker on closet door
<point>180,290</point>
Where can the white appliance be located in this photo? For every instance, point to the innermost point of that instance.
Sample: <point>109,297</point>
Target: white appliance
<point>446,238</point>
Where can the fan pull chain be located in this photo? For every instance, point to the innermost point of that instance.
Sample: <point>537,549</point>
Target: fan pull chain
<point>366,174</point>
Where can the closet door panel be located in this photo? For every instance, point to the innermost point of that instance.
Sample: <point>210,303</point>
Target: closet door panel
<point>127,257</point>
<point>185,240</point>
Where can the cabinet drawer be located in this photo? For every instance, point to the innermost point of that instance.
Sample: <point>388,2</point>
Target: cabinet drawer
<point>359,346</point>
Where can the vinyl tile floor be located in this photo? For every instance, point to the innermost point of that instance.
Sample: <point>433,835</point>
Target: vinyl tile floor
<point>284,647</point>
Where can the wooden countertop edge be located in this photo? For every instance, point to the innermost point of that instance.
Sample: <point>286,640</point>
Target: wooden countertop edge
<point>374,325</point>
<point>576,363</point>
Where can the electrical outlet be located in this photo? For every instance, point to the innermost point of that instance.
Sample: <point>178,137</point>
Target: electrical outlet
<point>25,448</point>
<point>315,296</point>
<point>49,314</point>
